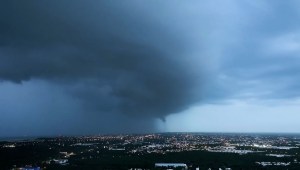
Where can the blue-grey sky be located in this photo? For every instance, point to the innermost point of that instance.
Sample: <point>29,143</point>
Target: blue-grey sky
<point>89,67</point>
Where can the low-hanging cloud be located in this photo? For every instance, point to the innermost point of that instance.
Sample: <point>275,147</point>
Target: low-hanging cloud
<point>113,57</point>
<point>106,66</point>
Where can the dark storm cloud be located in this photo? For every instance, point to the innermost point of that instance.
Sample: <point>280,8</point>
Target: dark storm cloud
<point>113,57</point>
<point>107,66</point>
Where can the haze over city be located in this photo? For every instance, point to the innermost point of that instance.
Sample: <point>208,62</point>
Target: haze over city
<point>99,67</point>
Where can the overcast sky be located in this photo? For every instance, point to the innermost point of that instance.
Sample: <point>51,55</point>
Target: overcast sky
<point>90,67</point>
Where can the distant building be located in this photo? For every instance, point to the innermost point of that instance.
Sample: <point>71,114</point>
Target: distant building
<point>27,168</point>
<point>171,165</point>
<point>61,161</point>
